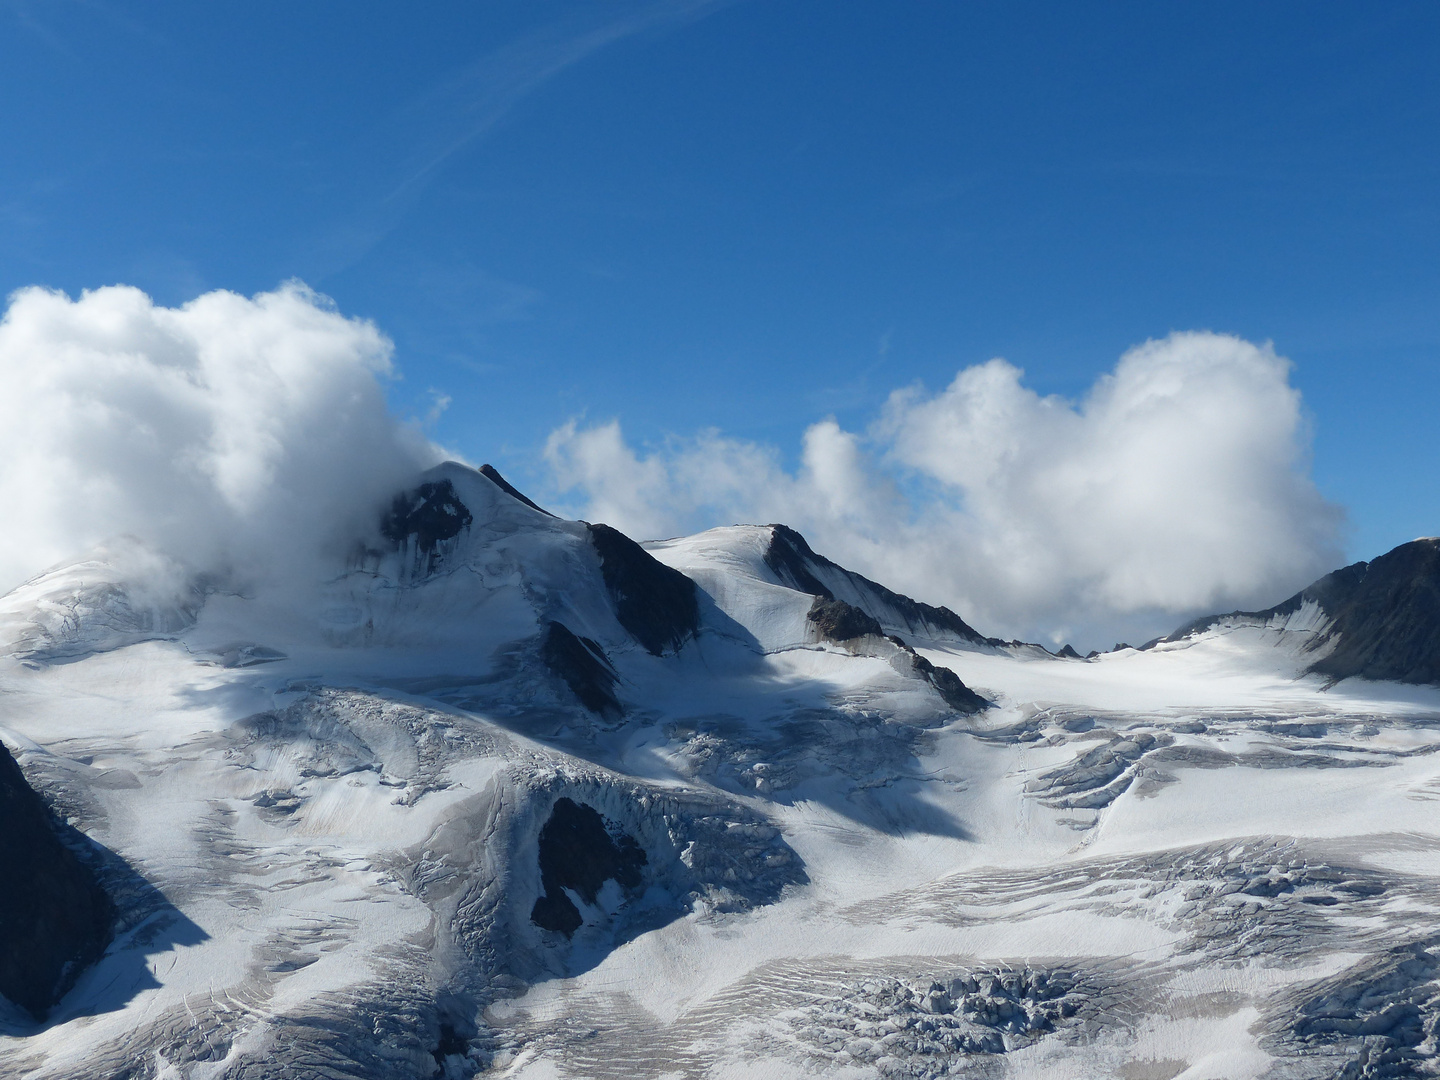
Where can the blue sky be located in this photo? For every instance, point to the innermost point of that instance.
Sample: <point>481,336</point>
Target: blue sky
<point>751,216</point>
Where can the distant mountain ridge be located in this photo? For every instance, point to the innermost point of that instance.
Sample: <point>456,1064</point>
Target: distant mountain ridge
<point>1379,620</point>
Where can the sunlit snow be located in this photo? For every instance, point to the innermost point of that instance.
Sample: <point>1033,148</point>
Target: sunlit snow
<point>321,816</point>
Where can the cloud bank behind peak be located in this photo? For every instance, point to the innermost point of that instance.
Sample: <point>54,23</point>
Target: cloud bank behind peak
<point>252,436</point>
<point>1179,485</point>
<point>244,434</point>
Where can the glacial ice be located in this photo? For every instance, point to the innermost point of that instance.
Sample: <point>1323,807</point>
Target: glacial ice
<point>323,826</point>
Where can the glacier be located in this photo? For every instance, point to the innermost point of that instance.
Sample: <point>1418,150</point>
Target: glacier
<point>512,795</point>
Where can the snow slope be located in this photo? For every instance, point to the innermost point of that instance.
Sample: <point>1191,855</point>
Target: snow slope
<point>326,819</point>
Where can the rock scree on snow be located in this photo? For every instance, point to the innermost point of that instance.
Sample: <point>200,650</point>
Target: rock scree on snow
<point>583,667</point>
<point>55,920</point>
<point>655,603</point>
<point>578,853</point>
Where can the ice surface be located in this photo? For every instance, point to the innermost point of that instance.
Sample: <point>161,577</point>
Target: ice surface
<point>321,826</point>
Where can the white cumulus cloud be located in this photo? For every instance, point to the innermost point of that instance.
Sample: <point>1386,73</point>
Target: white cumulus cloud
<point>247,434</point>
<point>1178,485</point>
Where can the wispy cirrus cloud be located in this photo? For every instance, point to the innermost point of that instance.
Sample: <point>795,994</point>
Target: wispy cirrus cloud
<point>480,97</point>
<point>461,110</point>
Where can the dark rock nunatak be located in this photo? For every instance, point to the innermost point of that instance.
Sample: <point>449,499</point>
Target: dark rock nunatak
<point>656,603</point>
<point>842,623</point>
<point>838,621</point>
<point>55,920</point>
<point>578,853</point>
<point>949,686</point>
<point>1386,615</point>
<point>583,666</point>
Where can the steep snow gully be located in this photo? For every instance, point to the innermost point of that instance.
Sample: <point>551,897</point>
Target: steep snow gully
<point>517,796</point>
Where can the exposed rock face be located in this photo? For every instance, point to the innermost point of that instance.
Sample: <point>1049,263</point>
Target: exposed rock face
<point>791,560</point>
<point>582,664</point>
<point>956,694</point>
<point>1387,616</point>
<point>1383,616</point>
<point>430,514</point>
<point>578,853</point>
<point>654,602</point>
<point>56,919</point>
<point>839,621</point>
<point>493,475</point>
<point>842,623</point>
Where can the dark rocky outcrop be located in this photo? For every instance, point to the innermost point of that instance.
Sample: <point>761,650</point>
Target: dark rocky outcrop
<point>493,475</point>
<point>55,919</point>
<point>838,621</point>
<point>793,562</point>
<point>1383,617</point>
<point>657,604</point>
<point>789,558</point>
<point>1329,592</point>
<point>956,694</point>
<point>583,666</point>
<point>451,1044</point>
<point>1386,615</point>
<point>432,513</point>
<point>578,853</point>
<point>844,623</point>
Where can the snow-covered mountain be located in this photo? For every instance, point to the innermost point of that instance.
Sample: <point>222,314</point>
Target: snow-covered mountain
<point>1378,620</point>
<point>513,795</point>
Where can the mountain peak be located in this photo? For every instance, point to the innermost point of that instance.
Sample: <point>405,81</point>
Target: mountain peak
<point>493,475</point>
<point>795,564</point>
